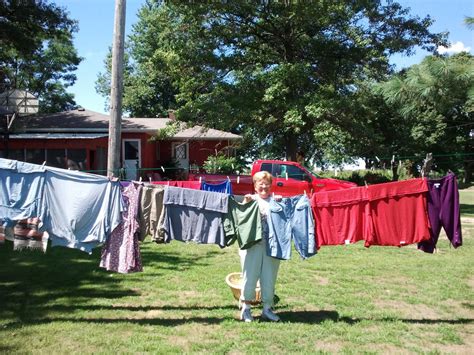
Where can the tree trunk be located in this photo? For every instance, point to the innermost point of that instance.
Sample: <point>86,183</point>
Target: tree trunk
<point>291,146</point>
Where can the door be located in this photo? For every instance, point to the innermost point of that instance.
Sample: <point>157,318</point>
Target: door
<point>131,153</point>
<point>290,180</point>
<point>181,154</point>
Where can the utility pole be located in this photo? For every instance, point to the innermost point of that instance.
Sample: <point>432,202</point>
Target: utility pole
<point>115,123</point>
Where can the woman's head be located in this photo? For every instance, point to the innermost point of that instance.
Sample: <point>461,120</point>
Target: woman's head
<point>262,182</point>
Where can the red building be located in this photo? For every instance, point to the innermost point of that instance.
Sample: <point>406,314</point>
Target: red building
<point>79,140</point>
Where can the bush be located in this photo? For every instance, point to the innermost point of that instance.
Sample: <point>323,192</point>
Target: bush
<point>220,164</point>
<point>360,177</point>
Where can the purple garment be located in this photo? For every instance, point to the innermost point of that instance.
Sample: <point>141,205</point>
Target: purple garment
<point>443,211</point>
<point>121,252</point>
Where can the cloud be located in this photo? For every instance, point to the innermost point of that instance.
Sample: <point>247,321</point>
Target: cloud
<point>457,47</point>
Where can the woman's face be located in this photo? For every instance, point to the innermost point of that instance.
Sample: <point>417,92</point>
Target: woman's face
<point>263,187</point>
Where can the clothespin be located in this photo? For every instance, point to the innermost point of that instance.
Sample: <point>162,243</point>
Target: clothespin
<point>44,163</point>
<point>393,158</point>
<point>238,179</point>
<point>200,178</point>
<point>286,175</point>
<point>140,179</point>
<point>376,157</point>
<point>304,192</point>
<point>149,178</point>
<point>365,182</point>
<point>162,168</point>
<point>273,194</point>
<point>228,178</point>
<point>168,183</point>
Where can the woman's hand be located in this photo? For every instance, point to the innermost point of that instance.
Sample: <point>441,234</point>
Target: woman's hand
<point>247,198</point>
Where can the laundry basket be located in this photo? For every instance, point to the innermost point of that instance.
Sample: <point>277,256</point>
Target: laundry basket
<point>234,281</point>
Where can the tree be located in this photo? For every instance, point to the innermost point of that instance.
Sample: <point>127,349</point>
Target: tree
<point>37,53</point>
<point>436,100</point>
<point>282,74</point>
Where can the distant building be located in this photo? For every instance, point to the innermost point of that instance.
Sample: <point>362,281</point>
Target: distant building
<point>78,139</point>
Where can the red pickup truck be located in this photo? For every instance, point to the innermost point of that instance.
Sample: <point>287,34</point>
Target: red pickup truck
<point>289,179</point>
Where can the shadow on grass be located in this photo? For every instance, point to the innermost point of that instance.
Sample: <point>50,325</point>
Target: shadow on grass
<point>466,209</point>
<point>30,279</point>
<point>309,317</point>
<point>135,308</point>
<point>315,317</point>
<point>165,322</point>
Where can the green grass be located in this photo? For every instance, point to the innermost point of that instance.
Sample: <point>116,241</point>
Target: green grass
<point>346,299</point>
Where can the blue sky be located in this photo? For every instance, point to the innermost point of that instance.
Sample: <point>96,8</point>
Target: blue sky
<point>96,24</point>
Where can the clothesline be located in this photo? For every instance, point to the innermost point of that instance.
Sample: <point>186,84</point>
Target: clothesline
<point>118,217</point>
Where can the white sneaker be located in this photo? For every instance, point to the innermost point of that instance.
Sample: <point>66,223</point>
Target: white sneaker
<point>246,315</point>
<point>268,314</point>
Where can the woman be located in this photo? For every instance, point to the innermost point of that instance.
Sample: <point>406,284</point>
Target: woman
<point>256,265</point>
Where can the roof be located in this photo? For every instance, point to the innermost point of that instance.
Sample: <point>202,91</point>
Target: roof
<point>57,135</point>
<point>86,121</point>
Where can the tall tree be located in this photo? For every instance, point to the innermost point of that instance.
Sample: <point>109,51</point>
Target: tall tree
<point>282,74</point>
<point>436,99</point>
<point>37,53</point>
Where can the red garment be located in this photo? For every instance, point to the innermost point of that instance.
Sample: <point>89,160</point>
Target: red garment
<point>196,185</point>
<point>399,214</point>
<point>341,216</point>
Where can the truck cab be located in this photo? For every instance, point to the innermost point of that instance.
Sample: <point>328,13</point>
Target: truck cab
<point>291,178</point>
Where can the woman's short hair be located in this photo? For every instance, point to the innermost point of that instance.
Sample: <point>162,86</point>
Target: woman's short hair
<point>262,175</point>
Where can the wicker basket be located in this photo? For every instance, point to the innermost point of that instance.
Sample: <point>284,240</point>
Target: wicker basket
<point>234,281</point>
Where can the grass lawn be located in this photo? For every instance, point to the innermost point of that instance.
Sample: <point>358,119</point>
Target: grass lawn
<point>347,299</point>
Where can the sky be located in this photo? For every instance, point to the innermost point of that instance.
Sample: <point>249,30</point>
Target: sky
<point>96,27</point>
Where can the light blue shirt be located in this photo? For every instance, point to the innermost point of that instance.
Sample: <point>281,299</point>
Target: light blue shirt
<point>21,190</point>
<point>81,209</point>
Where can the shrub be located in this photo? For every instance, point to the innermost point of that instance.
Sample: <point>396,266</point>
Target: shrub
<point>220,164</point>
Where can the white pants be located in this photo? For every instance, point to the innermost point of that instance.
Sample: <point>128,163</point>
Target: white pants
<point>256,265</point>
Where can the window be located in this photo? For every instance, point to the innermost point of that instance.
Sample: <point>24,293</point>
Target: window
<point>17,154</point>
<point>76,159</point>
<point>35,156</point>
<point>56,158</point>
<point>179,151</point>
<point>293,172</point>
<point>266,167</point>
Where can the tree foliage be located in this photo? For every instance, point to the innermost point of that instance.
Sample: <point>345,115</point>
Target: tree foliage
<point>37,53</point>
<point>284,75</point>
<point>435,99</point>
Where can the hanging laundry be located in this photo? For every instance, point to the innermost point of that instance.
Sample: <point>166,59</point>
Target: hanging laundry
<point>443,211</point>
<point>121,252</point>
<point>150,212</point>
<point>2,233</point>
<point>194,216</point>
<point>341,216</point>
<point>224,187</point>
<point>81,209</point>
<point>243,223</point>
<point>180,183</point>
<point>27,236</point>
<point>291,219</point>
<point>125,183</point>
<point>398,213</point>
<point>21,190</point>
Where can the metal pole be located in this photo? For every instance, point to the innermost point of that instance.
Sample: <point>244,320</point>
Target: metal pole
<point>115,123</point>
